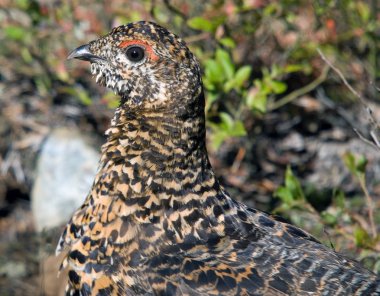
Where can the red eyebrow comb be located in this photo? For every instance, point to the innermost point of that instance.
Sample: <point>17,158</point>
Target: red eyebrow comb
<point>147,47</point>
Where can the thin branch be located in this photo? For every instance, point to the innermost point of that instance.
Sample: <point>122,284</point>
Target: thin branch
<point>325,100</point>
<point>375,139</point>
<point>369,205</point>
<point>341,76</point>
<point>238,160</point>
<point>361,99</point>
<point>365,140</point>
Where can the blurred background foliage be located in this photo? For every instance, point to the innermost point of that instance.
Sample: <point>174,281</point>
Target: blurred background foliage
<point>272,100</point>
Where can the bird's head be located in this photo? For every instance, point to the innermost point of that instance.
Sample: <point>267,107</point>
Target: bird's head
<point>149,67</point>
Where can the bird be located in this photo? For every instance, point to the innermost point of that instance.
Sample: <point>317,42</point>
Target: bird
<point>156,220</point>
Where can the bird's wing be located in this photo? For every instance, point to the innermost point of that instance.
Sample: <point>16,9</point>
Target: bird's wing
<point>270,270</point>
<point>257,256</point>
<point>207,276</point>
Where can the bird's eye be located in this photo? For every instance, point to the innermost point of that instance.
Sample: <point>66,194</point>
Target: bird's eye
<point>135,53</point>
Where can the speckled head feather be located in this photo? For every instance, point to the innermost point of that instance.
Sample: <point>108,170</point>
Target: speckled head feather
<point>161,75</point>
<point>156,221</point>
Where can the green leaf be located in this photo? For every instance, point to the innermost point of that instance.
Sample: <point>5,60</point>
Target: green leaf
<point>227,121</point>
<point>218,138</point>
<point>228,127</point>
<point>84,97</point>
<point>293,184</point>
<point>200,23</point>
<point>329,218</point>
<point>209,85</point>
<point>264,85</point>
<point>349,161</point>
<point>112,100</point>
<point>361,164</point>
<point>228,42</point>
<point>223,58</point>
<point>339,199</point>
<point>291,193</point>
<point>214,71</point>
<point>23,4</point>
<point>26,55</point>
<point>242,75</point>
<point>355,164</point>
<point>238,129</point>
<point>15,32</point>
<point>275,71</point>
<point>285,195</point>
<point>362,238</point>
<point>363,10</point>
<point>257,101</point>
<point>278,86</point>
<point>230,84</point>
<point>271,9</point>
<point>210,98</point>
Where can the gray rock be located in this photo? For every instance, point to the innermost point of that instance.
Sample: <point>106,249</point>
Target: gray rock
<point>13,269</point>
<point>66,168</point>
<point>330,170</point>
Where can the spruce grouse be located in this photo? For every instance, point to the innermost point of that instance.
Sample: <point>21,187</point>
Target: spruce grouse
<point>156,221</point>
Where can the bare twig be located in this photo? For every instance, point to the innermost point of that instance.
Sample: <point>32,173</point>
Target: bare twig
<point>238,159</point>
<point>360,97</point>
<point>340,75</point>
<point>369,205</point>
<point>325,100</point>
<point>349,120</point>
<point>365,140</point>
<point>375,139</point>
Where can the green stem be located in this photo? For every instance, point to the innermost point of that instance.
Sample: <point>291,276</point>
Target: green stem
<point>299,92</point>
<point>369,201</point>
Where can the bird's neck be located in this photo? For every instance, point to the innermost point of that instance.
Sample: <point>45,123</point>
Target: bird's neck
<point>157,161</point>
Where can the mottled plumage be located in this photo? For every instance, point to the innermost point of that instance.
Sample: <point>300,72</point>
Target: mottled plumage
<point>156,221</point>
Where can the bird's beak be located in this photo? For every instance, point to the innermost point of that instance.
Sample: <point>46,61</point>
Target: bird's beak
<point>83,53</point>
